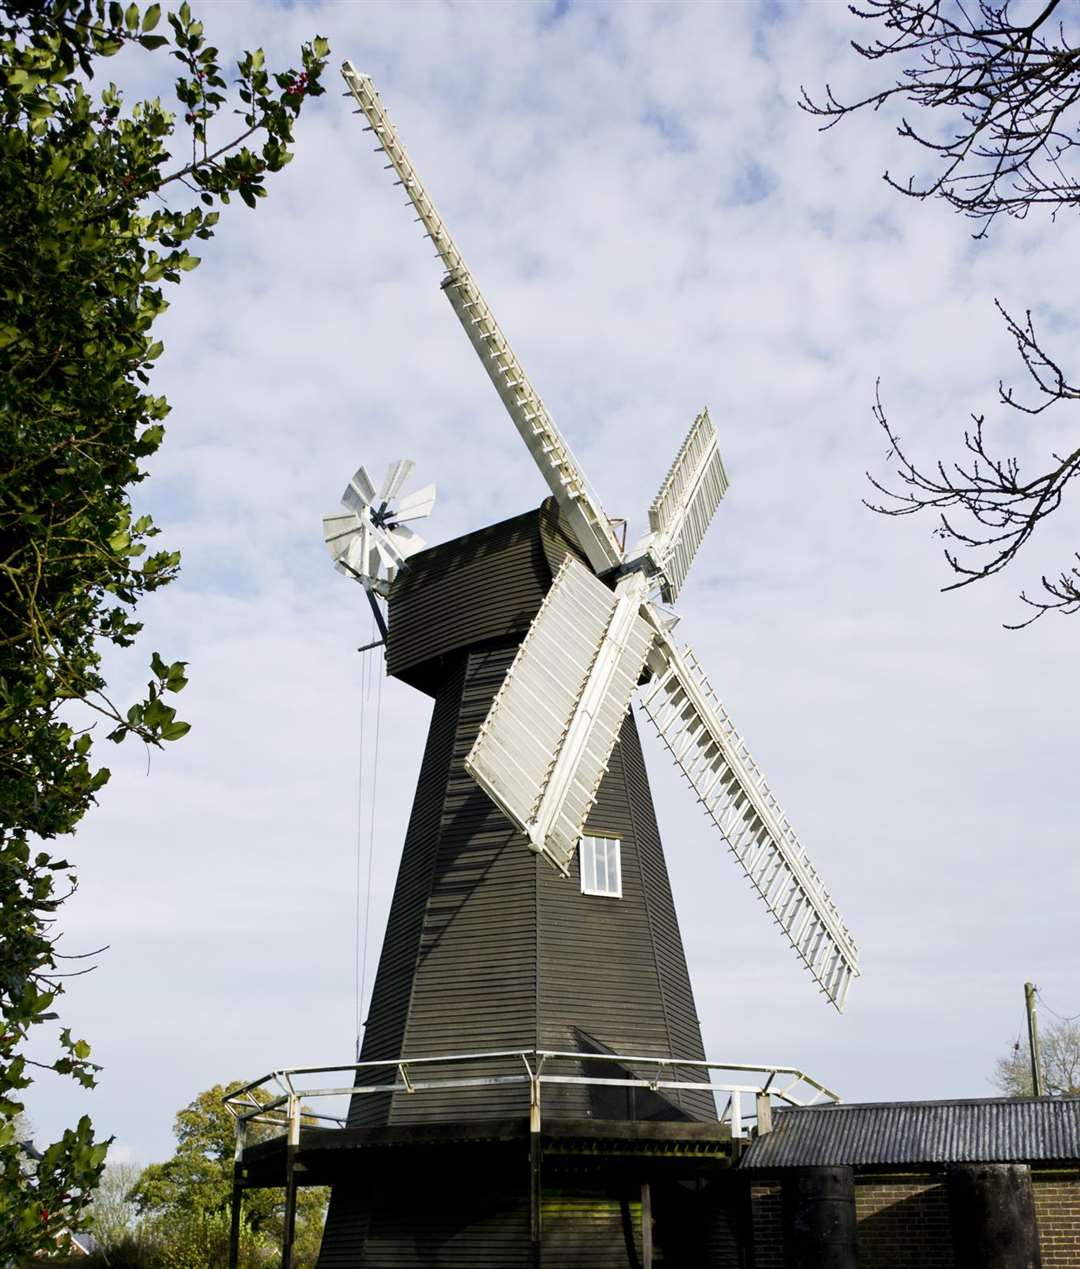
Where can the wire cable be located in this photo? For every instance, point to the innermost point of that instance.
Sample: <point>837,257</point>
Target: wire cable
<point>371,841</point>
<point>1061,1017</point>
<point>364,677</point>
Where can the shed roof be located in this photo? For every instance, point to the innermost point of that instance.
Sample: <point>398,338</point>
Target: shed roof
<point>985,1130</point>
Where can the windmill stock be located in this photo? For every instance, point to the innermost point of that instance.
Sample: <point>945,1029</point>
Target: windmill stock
<point>613,635</point>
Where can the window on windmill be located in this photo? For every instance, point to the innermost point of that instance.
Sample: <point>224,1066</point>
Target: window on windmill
<point>601,866</point>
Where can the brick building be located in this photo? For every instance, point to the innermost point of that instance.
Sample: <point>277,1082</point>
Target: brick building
<point>993,1183</point>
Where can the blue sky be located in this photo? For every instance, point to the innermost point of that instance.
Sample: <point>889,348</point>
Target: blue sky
<point>657,226</point>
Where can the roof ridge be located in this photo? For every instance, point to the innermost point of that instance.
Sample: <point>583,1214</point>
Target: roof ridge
<point>1047,1098</point>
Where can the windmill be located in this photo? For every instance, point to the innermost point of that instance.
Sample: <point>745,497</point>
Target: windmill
<point>588,645</point>
<point>533,636</point>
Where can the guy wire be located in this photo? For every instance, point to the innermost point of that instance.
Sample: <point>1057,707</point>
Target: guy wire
<point>357,992</point>
<point>1061,1017</point>
<point>371,835</point>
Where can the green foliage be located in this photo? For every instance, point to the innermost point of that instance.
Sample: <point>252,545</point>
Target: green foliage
<point>188,1197</point>
<point>95,215</point>
<point>197,1241</point>
<point>33,1204</point>
<point>111,1217</point>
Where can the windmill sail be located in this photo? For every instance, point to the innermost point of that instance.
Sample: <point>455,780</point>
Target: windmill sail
<point>680,513</point>
<point>546,444</point>
<point>705,745</point>
<point>546,741</point>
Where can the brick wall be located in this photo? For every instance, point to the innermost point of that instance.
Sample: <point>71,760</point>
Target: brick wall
<point>768,1227</point>
<point>1057,1210</point>
<point>903,1222</point>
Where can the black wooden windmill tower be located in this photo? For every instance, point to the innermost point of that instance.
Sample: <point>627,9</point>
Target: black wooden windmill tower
<point>532,914</point>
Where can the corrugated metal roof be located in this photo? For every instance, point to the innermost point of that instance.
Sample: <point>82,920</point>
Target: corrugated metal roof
<point>988,1130</point>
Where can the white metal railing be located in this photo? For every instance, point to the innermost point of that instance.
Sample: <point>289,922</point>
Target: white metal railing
<point>280,1098</point>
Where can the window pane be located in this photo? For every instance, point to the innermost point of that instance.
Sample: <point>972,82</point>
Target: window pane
<point>588,863</point>
<point>601,866</point>
<point>614,868</point>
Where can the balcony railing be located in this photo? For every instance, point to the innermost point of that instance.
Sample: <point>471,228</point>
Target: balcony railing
<point>282,1099</point>
<point>275,1098</point>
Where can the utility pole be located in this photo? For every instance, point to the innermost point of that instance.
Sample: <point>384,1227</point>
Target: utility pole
<point>1033,1039</point>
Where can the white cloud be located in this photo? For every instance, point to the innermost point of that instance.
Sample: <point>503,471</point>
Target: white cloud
<point>598,170</point>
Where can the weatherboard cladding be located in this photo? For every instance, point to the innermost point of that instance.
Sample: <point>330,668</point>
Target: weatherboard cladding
<point>489,948</point>
<point>474,980</point>
<point>991,1130</point>
<point>384,1034</point>
<point>417,1220</point>
<point>485,587</point>
<point>419,1223</point>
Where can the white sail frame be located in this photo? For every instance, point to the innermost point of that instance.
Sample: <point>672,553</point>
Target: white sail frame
<point>713,757</point>
<point>545,744</point>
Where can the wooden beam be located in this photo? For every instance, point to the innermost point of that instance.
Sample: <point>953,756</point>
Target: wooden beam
<point>289,1233</point>
<point>235,1217</point>
<point>646,1225</point>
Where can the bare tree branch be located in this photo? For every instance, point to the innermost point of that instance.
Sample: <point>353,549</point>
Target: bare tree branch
<point>1005,506</point>
<point>1010,95</point>
<point>1007,87</point>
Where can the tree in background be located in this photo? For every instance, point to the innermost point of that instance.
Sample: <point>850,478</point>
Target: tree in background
<point>1059,1044</point>
<point>99,202</point>
<point>1008,140</point>
<point>187,1199</point>
<point>113,1214</point>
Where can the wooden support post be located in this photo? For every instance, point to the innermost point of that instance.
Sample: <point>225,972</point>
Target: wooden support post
<point>744,1219</point>
<point>764,1114</point>
<point>1033,1040</point>
<point>236,1211</point>
<point>234,1219</point>
<point>646,1225</point>
<point>291,1147</point>
<point>535,1174</point>
<point>736,1115</point>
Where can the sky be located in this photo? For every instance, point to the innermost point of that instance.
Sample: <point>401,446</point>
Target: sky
<point>657,227</point>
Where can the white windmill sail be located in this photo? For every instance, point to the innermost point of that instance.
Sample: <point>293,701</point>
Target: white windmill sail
<point>681,512</point>
<point>550,452</point>
<point>705,745</point>
<point>545,744</point>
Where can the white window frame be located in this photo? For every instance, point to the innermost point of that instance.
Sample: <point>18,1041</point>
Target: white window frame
<point>593,850</point>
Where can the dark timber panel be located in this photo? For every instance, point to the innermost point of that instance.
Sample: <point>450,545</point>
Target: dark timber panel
<point>384,1034</point>
<point>587,1226</point>
<point>347,1223</point>
<point>474,982</point>
<point>684,1029</point>
<point>483,588</point>
<point>446,1218</point>
<point>614,976</point>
